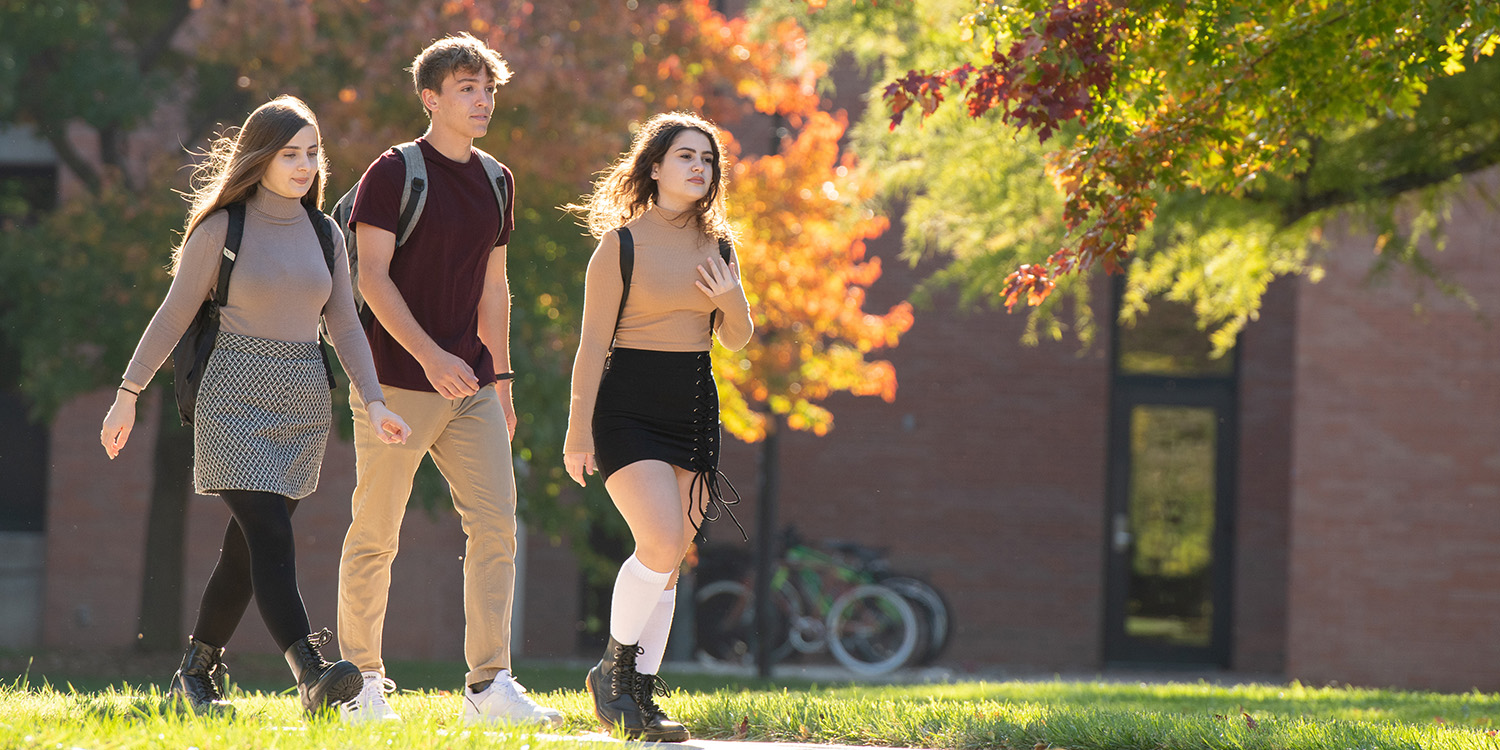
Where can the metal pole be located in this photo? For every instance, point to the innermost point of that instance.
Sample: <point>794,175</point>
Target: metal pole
<point>765,545</point>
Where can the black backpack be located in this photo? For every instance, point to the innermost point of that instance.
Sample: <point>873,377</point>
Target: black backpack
<point>190,356</point>
<point>413,200</point>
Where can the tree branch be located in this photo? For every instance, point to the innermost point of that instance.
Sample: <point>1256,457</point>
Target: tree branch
<point>1392,186</point>
<point>79,166</point>
<point>160,42</point>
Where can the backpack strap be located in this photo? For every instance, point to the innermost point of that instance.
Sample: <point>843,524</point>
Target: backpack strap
<point>323,226</point>
<point>627,268</point>
<point>231,251</point>
<point>413,191</point>
<point>726,251</point>
<point>496,174</point>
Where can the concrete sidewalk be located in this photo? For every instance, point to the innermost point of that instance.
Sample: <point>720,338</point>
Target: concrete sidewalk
<point>827,674</point>
<point>697,744</point>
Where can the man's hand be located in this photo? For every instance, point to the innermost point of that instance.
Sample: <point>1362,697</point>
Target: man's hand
<point>450,376</point>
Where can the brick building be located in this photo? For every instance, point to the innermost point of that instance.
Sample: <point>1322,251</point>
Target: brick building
<point>1321,505</point>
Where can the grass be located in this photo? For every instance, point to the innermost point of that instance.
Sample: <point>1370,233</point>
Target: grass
<point>1017,715</point>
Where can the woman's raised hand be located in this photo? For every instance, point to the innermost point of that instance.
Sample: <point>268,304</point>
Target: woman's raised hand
<point>718,276</point>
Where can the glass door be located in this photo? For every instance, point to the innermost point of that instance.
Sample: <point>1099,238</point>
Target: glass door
<point>1169,541</point>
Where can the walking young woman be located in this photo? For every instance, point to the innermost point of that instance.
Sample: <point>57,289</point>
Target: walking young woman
<point>263,411</point>
<point>644,409</point>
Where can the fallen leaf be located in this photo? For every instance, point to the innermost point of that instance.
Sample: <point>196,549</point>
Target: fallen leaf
<point>802,731</point>
<point>1249,720</point>
<point>744,729</point>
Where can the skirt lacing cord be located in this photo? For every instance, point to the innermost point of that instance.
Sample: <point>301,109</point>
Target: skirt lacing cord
<point>709,500</point>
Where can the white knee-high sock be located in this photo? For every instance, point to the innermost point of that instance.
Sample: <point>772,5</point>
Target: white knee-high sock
<point>637,589</point>
<point>654,635</point>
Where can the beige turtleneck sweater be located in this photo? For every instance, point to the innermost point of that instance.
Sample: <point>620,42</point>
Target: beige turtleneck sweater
<point>279,288</point>
<point>665,311</point>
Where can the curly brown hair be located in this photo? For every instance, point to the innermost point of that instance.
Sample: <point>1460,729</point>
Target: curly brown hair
<point>626,190</point>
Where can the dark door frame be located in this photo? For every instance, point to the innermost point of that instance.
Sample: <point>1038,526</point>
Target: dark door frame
<point>1217,392</point>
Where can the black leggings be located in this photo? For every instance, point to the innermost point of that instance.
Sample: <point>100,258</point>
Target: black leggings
<point>259,558</point>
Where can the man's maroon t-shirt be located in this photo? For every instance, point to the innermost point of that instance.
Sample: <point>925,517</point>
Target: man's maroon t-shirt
<point>440,270</point>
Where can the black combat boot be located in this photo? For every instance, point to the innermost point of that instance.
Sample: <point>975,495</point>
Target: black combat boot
<point>220,672</point>
<point>658,727</point>
<point>612,684</point>
<point>194,684</point>
<point>319,683</point>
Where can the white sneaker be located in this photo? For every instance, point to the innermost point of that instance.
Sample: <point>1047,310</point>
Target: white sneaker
<point>506,700</point>
<point>370,704</point>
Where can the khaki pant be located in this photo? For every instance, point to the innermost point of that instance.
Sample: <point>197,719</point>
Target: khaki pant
<point>468,441</point>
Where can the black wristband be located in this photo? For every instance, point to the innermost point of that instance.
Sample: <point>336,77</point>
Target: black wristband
<point>505,376</point>
<point>127,390</point>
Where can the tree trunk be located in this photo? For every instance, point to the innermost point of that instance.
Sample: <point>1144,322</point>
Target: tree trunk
<point>159,625</point>
<point>765,544</point>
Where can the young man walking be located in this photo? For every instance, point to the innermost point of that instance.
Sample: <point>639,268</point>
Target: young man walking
<point>440,335</point>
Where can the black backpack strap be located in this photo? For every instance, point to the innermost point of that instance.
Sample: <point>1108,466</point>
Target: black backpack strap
<point>323,226</point>
<point>231,251</point>
<point>726,251</point>
<point>627,267</point>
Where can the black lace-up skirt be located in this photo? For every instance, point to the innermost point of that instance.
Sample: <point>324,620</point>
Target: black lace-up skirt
<point>662,406</point>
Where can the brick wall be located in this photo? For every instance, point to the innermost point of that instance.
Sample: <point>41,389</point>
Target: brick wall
<point>1261,528</point>
<point>1395,494</point>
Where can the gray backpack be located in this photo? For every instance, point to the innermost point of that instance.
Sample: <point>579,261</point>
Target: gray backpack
<point>413,199</point>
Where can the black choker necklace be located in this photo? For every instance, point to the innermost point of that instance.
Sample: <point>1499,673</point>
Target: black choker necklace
<point>673,219</point>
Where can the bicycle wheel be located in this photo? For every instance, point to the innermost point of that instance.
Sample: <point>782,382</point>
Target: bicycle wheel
<point>931,607</point>
<point>725,620</point>
<point>872,630</point>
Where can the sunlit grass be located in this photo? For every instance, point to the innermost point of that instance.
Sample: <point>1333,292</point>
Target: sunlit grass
<point>1018,715</point>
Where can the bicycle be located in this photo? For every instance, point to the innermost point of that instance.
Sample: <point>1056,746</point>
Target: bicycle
<point>930,604</point>
<point>821,601</point>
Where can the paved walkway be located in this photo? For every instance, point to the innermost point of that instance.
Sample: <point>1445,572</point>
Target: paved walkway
<point>698,744</point>
<point>827,674</point>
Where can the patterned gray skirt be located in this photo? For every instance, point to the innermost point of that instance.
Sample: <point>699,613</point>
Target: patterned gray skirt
<point>261,422</point>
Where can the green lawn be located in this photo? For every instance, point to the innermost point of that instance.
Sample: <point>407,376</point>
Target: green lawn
<point>1018,715</point>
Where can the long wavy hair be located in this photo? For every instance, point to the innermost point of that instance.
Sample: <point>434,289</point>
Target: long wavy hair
<point>237,161</point>
<point>626,190</point>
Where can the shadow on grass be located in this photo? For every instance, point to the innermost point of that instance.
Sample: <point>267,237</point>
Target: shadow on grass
<point>141,673</point>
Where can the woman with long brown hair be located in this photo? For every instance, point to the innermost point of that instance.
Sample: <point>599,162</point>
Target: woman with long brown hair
<point>644,409</point>
<point>261,420</point>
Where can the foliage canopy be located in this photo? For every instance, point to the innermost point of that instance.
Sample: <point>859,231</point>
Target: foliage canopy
<point>1203,144</point>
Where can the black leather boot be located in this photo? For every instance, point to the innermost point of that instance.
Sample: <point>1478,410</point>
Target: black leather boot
<point>220,673</point>
<point>658,727</point>
<point>319,683</point>
<point>612,684</point>
<point>194,684</point>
